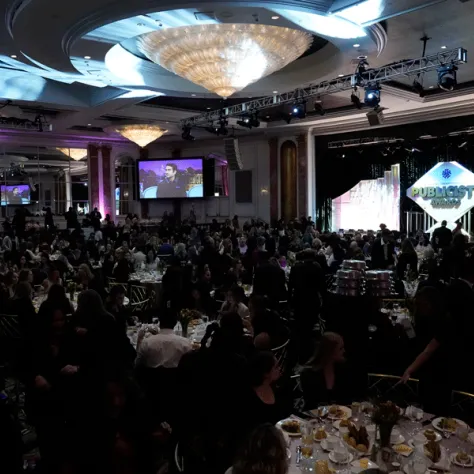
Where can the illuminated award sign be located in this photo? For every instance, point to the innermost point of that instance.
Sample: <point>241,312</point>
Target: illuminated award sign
<point>446,192</point>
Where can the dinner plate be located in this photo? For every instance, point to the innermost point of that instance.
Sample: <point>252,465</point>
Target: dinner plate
<point>324,444</point>
<point>407,470</point>
<point>399,440</point>
<point>348,460</point>
<point>436,423</point>
<point>412,444</point>
<point>357,468</point>
<point>347,413</point>
<point>280,426</point>
<point>460,464</point>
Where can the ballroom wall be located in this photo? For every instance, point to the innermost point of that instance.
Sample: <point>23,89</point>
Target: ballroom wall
<point>255,157</point>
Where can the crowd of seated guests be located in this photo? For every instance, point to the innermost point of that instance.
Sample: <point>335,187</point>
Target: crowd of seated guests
<point>95,398</point>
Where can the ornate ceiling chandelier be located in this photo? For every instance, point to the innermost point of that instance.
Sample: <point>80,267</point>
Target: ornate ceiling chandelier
<point>142,135</point>
<point>75,153</point>
<point>224,58</point>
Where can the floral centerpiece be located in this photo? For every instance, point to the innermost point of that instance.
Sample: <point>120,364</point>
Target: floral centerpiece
<point>186,316</point>
<point>385,416</point>
<point>71,288</point>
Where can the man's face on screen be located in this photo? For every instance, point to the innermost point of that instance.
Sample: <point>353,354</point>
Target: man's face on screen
<point>170,172</point>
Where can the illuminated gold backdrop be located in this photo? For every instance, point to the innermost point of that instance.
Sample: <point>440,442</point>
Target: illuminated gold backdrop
<point>288,179</point>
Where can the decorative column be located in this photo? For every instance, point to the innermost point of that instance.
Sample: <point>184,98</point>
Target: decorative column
<point>288,180</point>
<point>108,189</point>
<point>302,141</point>
<point>144,204</point>
<point>67,178</point>
<point>273,145</point>
<point>93,169</point>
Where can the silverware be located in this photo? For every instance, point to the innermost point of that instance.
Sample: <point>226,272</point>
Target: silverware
<point>298,454</point>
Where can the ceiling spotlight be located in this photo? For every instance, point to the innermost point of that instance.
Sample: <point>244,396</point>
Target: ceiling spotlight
<point>443,47</point>
<point>213,130</point>
<point>318,108</point>
<point>355,100</point>
<point>186,135</point>
<point>299,110</point>
<point>447,77</point>
<point>87,57</point>
<point>418,88</point>
<point>13,56</point>
<point>340,75</point>
<point>249,121</point>
<point>275,17</point>
<point>193,95</point>
<point>356,45</point>
<point>275,92</point>
<point>372,95</point>
<point>89,124</point>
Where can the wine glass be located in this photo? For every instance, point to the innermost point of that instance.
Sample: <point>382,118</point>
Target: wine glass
<point>307,439</point>
<point>462,432</point>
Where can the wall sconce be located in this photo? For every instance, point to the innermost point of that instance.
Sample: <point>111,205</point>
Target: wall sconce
<point>216,194</point>
<point>263,191</point>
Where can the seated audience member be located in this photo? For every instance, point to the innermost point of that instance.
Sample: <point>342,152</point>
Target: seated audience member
<point>164,349</point>
<point>261,403</point>
<point>270,281</point>
<point>22,306</point>
<point>25,275</point>
<point>115,306</point>
<point>53,279</point>
<point>407,257</point>
<point>266,327</point>
<point>234,302</point>
<point>327,377</point>
<point>263,452</point>
<point>89,281</point>
<point>10,282</point>
<point>56,299</point>
<point>166,248</point>
<point>122,268</point>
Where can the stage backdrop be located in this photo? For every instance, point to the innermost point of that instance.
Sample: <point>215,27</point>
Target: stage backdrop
<point>369,203</point>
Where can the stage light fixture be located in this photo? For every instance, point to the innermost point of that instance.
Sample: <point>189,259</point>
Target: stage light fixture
<point>318,108</point>
<point>447,77</point>
<point>299,110</point>
<point>212,129</point>
<point>249,121</point>
<point>186,135</point>
<point>418,88</point>
<point>372,96</point>
<point>355,100</point>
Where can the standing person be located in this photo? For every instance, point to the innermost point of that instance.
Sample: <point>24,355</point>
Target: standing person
<point>48,219</point>
<point>383,251</point>
<point>96,217</point>
<point>408,256</point>
<point>71,218</point>
<point>442,237</point>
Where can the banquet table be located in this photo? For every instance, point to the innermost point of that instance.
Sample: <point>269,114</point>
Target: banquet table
<point>407,429</point>
<point>37,300</point>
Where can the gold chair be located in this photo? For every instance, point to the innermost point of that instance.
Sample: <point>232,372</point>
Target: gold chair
<point>462,406</point>
<point>138,298</point>
<point>388,386</point>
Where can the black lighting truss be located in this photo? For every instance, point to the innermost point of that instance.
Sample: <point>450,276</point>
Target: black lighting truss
<point>359,79</point>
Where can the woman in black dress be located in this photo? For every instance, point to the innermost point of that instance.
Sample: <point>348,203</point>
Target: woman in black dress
<point>327,377</point>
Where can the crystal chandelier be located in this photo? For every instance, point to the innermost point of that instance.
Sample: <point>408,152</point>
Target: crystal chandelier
<point>224,58</point>
<point>142,135</point>
<point>75,153</point>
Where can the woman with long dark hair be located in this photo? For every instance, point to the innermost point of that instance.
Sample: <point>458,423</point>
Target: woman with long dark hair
<point>407,257</point>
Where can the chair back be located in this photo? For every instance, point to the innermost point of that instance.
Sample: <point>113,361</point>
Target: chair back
<point>281,355</point>
<point>462,406</point>
<point>386,386</point>
<point>139,298</point>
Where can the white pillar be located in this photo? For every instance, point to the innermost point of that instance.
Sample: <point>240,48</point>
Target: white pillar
<point>311,170</point>
<point>68,184</point>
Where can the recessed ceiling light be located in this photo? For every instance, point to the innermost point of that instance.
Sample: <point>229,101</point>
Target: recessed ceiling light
<point>443,47</point>
<point>87,57</point>
<point>268,116</point>
<point>275,17</point>
<point>356,45</point>
<point>275,92</point>
<point>88,124</point>
<point>431,87</point>
<point>208,108</point>
<point>13,56</point>
<point>166,122</point>
<point>193,95</point>
<point>340,75</point>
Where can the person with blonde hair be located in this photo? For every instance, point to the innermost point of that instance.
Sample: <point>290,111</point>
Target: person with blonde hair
<point>327,378</point>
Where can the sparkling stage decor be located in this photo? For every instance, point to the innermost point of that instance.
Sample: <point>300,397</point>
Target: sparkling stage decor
<point>224,58</point>
<point>370,203</point>
<point>142,135</point>
<point>76,154</point>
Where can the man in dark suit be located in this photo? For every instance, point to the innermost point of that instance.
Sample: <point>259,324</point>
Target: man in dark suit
<point>383,251</point>
<point>442,237</point>
<point>269,280</point>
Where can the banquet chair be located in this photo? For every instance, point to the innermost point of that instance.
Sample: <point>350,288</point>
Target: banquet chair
<point>386,386</point>
<point>115,283</point>
<point>178,459</point>
<point>281,355</point>
<point>138,298</point>
<point>462,406</point>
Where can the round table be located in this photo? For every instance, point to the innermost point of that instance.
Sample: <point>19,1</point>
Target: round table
<point>37,300</point>
<point>405,426</point>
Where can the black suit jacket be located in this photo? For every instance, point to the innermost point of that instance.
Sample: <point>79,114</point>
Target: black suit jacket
<point>270,281</point>
<point>378,255</point>
<point>442,237</point>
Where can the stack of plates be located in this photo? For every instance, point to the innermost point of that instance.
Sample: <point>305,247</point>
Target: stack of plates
<point>379,283</point>
<point>350,279</point>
